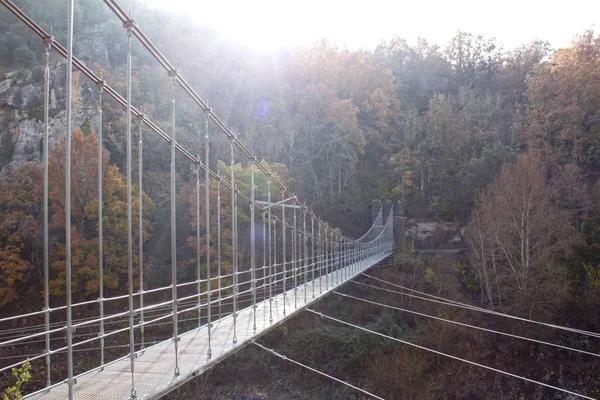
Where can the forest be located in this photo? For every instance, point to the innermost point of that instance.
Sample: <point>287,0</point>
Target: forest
<point>505,143</point>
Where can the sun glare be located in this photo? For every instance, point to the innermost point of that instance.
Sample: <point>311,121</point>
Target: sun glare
<point>268,25</point>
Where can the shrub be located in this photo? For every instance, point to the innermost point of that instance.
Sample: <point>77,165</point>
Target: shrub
<point>23,375</point>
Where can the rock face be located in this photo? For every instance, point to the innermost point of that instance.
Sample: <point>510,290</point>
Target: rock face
<point>22,111</point>
<point>22,101</point>
<point>92,45</point>
<point>434,235</point>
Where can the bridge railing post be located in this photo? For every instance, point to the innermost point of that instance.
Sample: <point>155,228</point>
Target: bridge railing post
<point>275,267</point>
<point>173,75</point>
<point>336,253</point>
<point>305,243</point>
<point>295,260</point>
<point>327,259</point>
<point>100,221</point>
<point>68,90</point>
<point>219,272</point>
<point>330,258</point>
<point>234,244</point>
<point>207,212</point>
<point>320,259</point>
<point>349,246</point>
<point>270,249</point>
<point>312,253</point>
<point>358,247</point>
<point>335,266</point>
<point>346,264</point>
<point>47,46</point>
<point>128,26</point>
<point>283,247</point>
<point>362,256</point>
<point>352,255</point>
<point>343,258</point>
<point>264,251</point>
<point>141,225</point>
<point>253,251</point>
<point>348,261</point>
<point>198,247</point>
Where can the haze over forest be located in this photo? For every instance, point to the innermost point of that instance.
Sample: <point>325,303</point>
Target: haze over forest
<point>502,144</point>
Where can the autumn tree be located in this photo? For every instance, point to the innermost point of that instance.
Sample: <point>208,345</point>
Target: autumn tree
<point>564,99</point>
<point>519,238</point>
<point>84,218</point>
<point>420,71</point>
<point>20,227</point>
<point>475,59</point>
<point>562,119</point>
<point>338,101</point>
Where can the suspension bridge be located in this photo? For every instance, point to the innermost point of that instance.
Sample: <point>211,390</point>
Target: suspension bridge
<point>150,340</point>
<point>303,258</point>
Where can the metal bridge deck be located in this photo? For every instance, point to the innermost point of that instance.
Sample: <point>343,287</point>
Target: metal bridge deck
<point>155,365</point>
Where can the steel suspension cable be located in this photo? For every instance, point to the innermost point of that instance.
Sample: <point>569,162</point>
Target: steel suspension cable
<point>448,355</point>
<point>441,300</point>
<point>285,358</point>
<point>466,325</point>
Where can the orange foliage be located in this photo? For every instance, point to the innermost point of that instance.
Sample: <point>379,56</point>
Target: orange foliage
<point>20,225</point>
<point>84,218</point>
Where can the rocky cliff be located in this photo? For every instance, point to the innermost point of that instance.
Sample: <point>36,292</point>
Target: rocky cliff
<point>22,103</point>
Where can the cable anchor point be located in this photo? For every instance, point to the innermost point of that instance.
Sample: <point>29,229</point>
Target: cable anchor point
<point>129,24</point>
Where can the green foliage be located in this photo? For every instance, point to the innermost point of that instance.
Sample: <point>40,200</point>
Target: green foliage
<point>445,209</point>
<point>24,56</point>
<point>429,277</point>
<point>22,375</point>
<point>325,344</point>
<point>387,323</point>
<point>86,129</point>
<point>466,278</point>
<point>592,275</point>
<point>7,149</point>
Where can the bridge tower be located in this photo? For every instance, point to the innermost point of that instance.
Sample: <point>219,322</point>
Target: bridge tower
<point>397,207</point>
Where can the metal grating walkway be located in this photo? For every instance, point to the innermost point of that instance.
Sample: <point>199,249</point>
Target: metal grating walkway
<point>154,366</point>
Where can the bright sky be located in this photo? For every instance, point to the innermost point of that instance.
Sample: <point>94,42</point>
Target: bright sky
<point>267,25</point>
